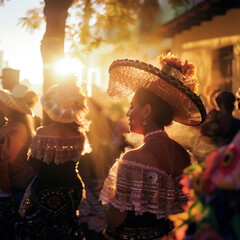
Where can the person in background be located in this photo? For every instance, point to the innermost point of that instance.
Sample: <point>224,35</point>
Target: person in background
<point>221,126</point>
<point>52,198</point>
<point>15,138</point>
<point>142,187</point>
<point>10,78</point>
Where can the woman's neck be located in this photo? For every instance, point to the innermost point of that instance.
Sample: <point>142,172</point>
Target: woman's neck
<point>149,129</point>
<point>154,134</point>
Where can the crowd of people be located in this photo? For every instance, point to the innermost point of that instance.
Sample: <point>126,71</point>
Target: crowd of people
<point>81,165</point>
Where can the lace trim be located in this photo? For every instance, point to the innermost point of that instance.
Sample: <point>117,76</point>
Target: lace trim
<point>57,149</point>
<point>143,166</point>
<point>157,133</point>
<point>142,188</point>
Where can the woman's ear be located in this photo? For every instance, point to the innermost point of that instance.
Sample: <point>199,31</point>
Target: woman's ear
<point>147,110</point>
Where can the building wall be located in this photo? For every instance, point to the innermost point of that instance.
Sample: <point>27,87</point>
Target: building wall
<point>198,44</point>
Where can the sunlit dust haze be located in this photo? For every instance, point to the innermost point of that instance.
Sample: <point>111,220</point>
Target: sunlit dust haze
<point>20,48</point>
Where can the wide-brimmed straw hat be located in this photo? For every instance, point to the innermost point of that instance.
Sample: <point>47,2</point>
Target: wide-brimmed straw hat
<point>175,83</point>
<point>20,99</point>
<point>65,103</point>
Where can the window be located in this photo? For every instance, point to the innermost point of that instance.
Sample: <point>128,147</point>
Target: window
<point>222,67</point>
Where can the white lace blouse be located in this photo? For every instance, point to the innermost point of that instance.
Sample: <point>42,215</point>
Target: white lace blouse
<point>142,188</point>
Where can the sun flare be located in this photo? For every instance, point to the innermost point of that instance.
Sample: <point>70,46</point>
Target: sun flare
<point>69,66</point>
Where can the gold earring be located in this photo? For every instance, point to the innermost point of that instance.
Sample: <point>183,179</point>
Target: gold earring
<point>144,123</point>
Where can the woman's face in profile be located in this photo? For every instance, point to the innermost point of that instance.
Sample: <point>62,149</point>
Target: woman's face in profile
<point>135,116</point>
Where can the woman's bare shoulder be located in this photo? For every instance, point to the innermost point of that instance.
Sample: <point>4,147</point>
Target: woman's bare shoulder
<point>161,153</point>
<point>133,154</point>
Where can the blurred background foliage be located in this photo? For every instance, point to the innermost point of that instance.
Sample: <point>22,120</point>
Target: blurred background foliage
<point>93,22</point>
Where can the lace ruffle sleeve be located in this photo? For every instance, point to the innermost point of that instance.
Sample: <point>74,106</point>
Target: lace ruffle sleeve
<point>57,149</point>
<point>141,188</point>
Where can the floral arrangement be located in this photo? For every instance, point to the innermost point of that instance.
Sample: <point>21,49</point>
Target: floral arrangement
<point>185,67</point>
<point>213,209</point>
<point>182,70</point>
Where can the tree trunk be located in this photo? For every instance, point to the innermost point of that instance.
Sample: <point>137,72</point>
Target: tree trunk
<point>52,45</point>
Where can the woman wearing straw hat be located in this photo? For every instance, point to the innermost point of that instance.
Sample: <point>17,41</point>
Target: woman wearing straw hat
<point>142,187</point>
<point>53,196</point>
<point>15,137</point>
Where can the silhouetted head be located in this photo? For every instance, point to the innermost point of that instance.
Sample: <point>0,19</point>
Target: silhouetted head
<point>226,100</point>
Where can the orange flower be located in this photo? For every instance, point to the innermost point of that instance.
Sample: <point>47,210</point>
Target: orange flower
<point>186,68</point>
<point>185,181</point>
<point>171,60</point>
<point>180,233</point>
<point>198,183</point>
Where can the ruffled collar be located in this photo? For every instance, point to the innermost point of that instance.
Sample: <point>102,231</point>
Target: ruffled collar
<point>154,134</point>
<point>132,186</point>
<point>58,149</point>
